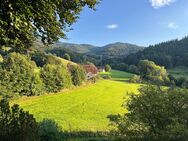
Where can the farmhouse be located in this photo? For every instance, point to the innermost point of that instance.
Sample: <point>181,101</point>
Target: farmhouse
<point>91,71</point>
<point>101,69</point>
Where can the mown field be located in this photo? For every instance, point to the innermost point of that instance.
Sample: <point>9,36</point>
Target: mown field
<point>179,72</point>
<point>85,108</point>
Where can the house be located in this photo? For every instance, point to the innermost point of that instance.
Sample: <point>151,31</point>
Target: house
<point>101,69</point>
<point>91,71</point>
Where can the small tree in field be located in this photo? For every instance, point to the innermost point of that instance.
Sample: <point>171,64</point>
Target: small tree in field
<point>107,68</point>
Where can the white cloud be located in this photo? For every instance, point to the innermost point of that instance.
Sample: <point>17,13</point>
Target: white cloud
<point>160,3</point>
<point>172,25</point>
<point>112,26</point>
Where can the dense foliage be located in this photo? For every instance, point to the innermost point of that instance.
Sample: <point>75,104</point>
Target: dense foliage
<point>60,52</point>
<point>55,77</point>
<point>16,125</point>
<point>155,114</point>
<point>169,54</point>
<point>67,56</point>
<point>78,74</point>
<point>150,71</point>
<point>49,131</point>
<point>19,75</point>
<point>22,21</point>
<point>107,68</point>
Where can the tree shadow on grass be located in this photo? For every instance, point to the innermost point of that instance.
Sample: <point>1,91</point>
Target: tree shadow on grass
<point>50,131</point>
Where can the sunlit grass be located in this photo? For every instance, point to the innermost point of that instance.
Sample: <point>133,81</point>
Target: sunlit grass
<point>85,108</point>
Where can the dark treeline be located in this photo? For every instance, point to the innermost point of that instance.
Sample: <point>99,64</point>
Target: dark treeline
<point>74,56</point>
<point>169,54</point>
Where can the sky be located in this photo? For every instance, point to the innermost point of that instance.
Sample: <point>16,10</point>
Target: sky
<point>141,22</point>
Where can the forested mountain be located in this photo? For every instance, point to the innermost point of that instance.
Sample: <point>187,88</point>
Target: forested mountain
<point>116,50</point>
<point>169,54</point>
<point>110,53</point>
<point>79,48</point>
<point>112,50</point>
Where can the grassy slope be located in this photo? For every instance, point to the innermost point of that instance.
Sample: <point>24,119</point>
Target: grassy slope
<point>65,62</point>
<point>84,108</point>
<point>179,72</point>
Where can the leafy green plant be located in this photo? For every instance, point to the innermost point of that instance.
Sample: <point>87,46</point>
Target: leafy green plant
<point>55,77</point>
<point>19,75</point>
<point>155,114</point>
<point>16,124</point>
<point>22,21</point>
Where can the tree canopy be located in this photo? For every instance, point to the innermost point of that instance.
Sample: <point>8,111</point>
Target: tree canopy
<point>155,114</point>
<point>23,20</point>
<point>150,71</point>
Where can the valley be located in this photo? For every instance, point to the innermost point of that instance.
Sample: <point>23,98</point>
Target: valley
<point>85,108</point>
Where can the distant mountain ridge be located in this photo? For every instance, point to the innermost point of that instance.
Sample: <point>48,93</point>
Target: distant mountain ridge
<point>110,50</point>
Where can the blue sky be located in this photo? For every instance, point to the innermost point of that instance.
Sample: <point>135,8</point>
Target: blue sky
<point>141,22</point>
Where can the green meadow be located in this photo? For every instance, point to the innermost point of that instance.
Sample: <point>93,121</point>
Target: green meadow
<point>83,108</point>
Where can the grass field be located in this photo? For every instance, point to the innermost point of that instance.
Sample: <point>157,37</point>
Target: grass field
<point>179,72</point>
<point>85,108</point>
<point>118,75</point>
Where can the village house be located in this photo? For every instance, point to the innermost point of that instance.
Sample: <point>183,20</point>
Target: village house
<point>91,71</point>
<point>101,69</point>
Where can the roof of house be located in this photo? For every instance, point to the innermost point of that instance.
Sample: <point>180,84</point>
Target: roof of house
<point>90,69</point>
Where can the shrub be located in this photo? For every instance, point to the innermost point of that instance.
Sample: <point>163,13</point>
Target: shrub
<point>133,69</point>
<point>77,74</point>
<point>18,74</point>
<point>49,131</point>
<point>66,56</point>
<point>150,71</point>
<point>107,76</point>
<point>155,114</point>
<point>107,68</point>
<point>135,79</point>
<point>55,77</point>
<point>15,124</point>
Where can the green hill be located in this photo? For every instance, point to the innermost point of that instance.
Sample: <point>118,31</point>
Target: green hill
<point>85,108</point>
<point>110,50</point>
<point>170,54</point>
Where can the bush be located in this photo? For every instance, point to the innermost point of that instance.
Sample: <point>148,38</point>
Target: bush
<point>49,131</point>
<point>135,79</point>
<point>55,77</point>
<point>15,124</point>
<point>19,75</point>
<point>77,74</point>
<point>107,76</point>
<point>150,71</point>
<point>133,69</point>
<point>155,114</point>
<point>67,56</point>
<point>107,68</point>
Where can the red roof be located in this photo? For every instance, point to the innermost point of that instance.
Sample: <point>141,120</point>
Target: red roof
<point>90,69</point>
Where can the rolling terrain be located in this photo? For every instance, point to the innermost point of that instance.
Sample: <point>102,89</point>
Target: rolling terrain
<point>84,108</point>
<point>113,50</point>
